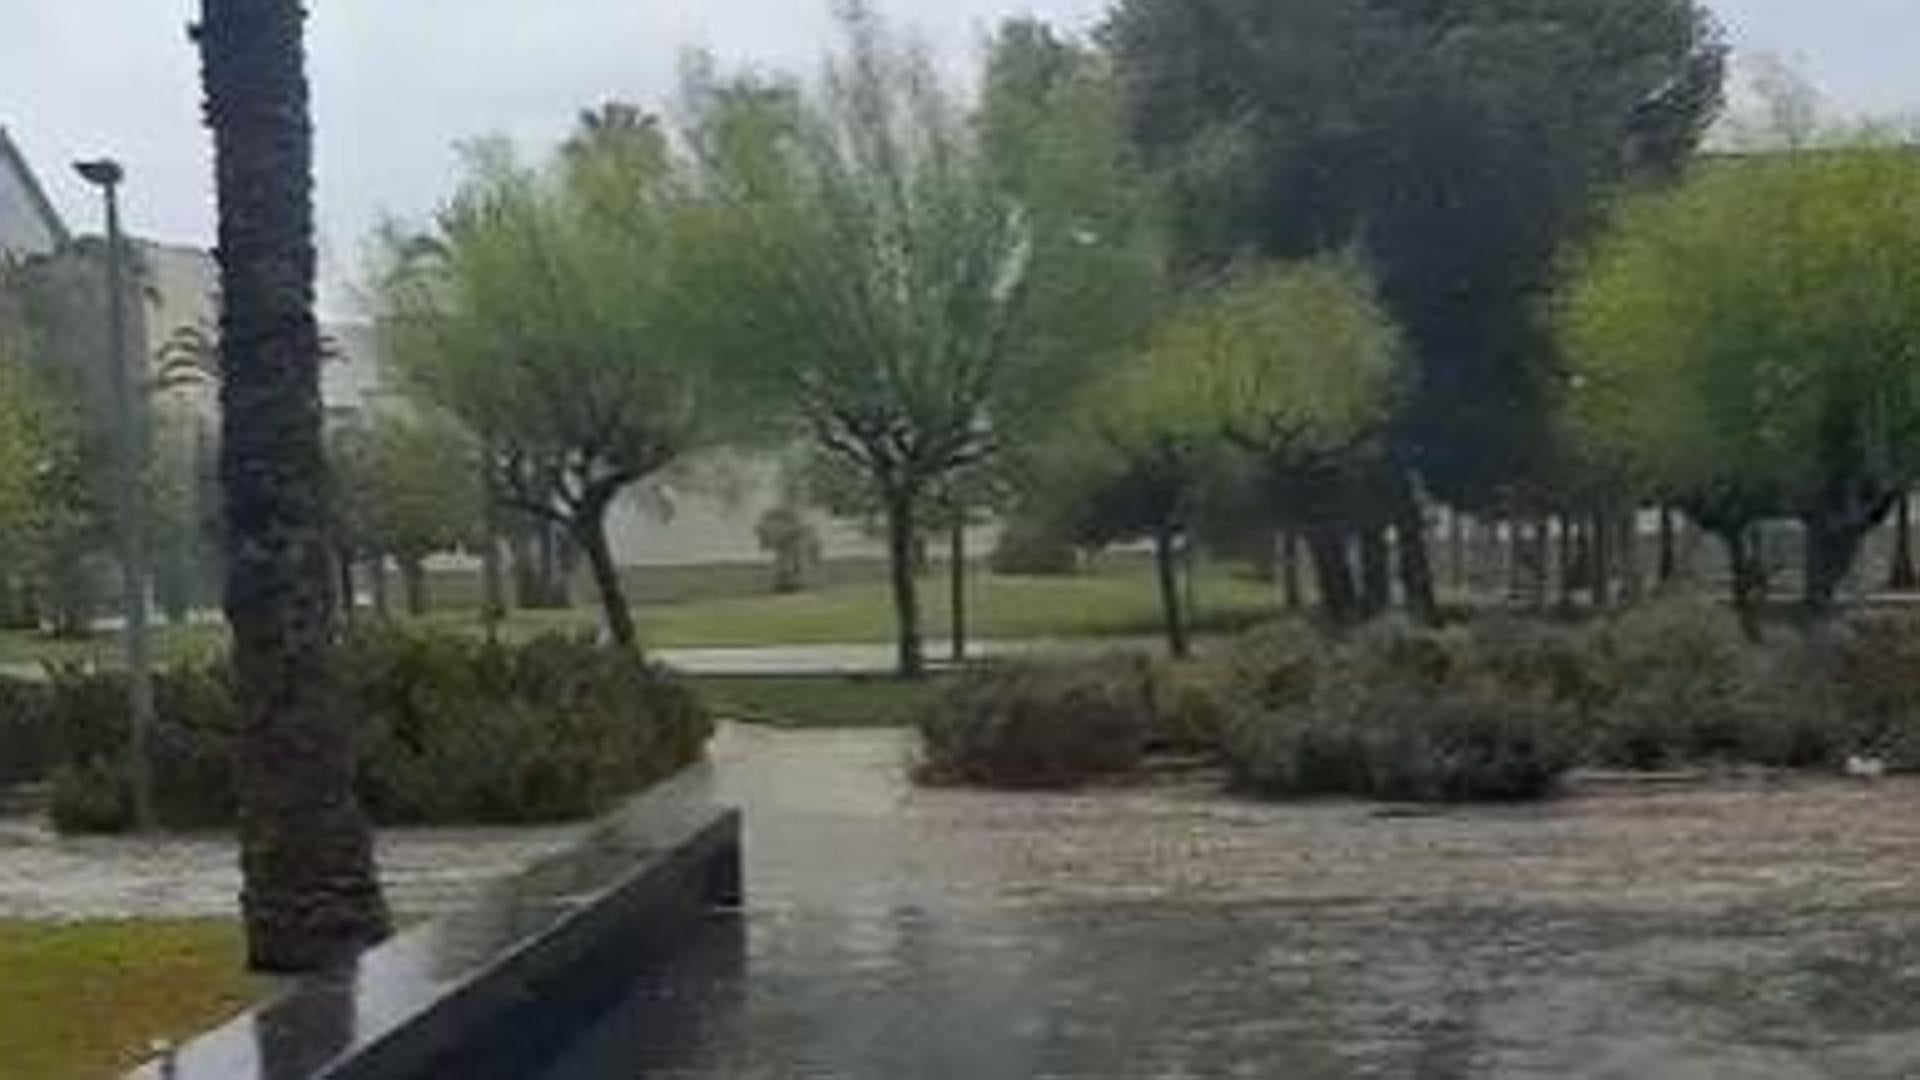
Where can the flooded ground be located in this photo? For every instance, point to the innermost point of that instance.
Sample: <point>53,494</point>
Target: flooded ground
<point>1634,931</point>
<point>1760,930</point>
<point>46,876</point>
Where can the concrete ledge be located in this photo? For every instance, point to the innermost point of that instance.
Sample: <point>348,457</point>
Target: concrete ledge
<point>476,993</point>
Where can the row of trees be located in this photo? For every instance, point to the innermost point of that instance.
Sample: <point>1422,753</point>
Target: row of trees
<point>1290,267</point>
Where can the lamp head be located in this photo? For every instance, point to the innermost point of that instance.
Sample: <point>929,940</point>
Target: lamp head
<point>102,173</point>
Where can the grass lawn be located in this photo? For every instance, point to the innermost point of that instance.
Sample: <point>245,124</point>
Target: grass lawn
<point>88,1000</point>
<point>1116,600</point>
<point>825,702</point>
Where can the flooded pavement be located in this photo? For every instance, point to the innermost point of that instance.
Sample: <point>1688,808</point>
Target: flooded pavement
<point>44,876</point>
<point>1162,931</point>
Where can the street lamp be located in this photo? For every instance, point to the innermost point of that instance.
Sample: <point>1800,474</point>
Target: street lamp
<point>107,175</point>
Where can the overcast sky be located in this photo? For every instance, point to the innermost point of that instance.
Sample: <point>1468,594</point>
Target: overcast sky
<point>398,82</point>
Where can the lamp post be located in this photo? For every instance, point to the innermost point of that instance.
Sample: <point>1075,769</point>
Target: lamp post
<point>129,423</point>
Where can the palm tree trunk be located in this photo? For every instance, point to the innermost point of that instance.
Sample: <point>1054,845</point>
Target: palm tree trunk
<point>310,895</point>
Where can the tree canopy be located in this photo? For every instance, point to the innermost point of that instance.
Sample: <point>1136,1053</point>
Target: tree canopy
<point>1750,343</point>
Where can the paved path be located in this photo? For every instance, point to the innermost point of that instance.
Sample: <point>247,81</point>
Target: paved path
<point>878,659</point>
<point>1162,931</point>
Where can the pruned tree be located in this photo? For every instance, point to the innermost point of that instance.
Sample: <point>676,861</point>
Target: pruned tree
<point>864,257</point>
<point>1747,343</point>
<point>542,314</point>
<point>1302,368</point>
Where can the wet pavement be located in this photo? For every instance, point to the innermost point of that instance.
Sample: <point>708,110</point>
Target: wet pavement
<point>45,876</point>
<point>1760,931</point>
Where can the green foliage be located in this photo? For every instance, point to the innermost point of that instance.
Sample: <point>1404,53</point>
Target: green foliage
<point>546,314</point>
<point>1753,331</point>
<point>1039,724</point>
<point>451,731</point>
<point>29,739</point>
<point>1457,144</point>
<point>409,487</point>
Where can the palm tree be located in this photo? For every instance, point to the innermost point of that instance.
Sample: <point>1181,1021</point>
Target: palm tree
<point>311,896</point>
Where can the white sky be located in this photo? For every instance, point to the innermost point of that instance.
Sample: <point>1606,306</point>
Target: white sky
<point>398,82</point>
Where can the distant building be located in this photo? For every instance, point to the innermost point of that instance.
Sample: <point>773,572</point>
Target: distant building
<point>29,225</point>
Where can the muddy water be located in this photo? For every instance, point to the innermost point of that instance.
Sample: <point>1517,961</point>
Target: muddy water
<point>1162,931</point>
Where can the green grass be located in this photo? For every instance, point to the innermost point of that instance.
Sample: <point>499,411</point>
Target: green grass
<point>88,999</point>
<point>819,703</point>
<point>1117,600</point>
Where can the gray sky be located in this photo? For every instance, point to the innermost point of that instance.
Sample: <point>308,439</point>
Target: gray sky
<point>398,82</point>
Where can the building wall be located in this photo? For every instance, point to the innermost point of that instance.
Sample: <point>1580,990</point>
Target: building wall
<point>28,225</point>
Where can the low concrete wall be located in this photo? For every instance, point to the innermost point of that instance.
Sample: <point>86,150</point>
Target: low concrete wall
<point>482,992</point>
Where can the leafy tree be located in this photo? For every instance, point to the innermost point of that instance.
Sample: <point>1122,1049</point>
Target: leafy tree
<point>542,314</point>
<point>1747,343</point>
<point>866,259</point>
<point>1300,366</point>
<point>411,485</point>
<point>311,896</point>
<point>1144,446</point>
<point>1459,143</point>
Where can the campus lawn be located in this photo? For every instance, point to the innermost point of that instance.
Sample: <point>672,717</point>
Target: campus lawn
<point>88,1000</point>
<point>1117,600</point>
<point>818,702</point>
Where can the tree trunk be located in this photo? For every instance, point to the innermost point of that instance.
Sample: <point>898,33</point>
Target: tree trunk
<point>1416,566</point>
<point>1743,558</point>
<point>1601,564</point>
<point>310,895</point>
<point>590,532</point>
<point>1513,546</point>
<point>377,578</point>
<point>1166,560</point>
<point>903,549</point>
<point>526,578</point>
<point>1327,547</point>
<point>1291,592</point>
<point>957,575</point>
<point>343,566</point>
<point>493,586</point>
<point>1669,555</point>
<point>557,595</point>
<point>1457,550</point>
<point>1376,572</point>
<point>1564,552</point>
<point>1903,578</point>
<point>1632,588</point>
<point>413,582</point>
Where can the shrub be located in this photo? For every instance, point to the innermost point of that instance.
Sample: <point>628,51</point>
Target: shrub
<point>1033,724</point>
<point>1398,712</point>
<point>450,731</point>
<point>190,746</point>
<point>29,746</point>
<point>1034,549</point>
<point>1873,660</point>
<point>1670,681</point>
